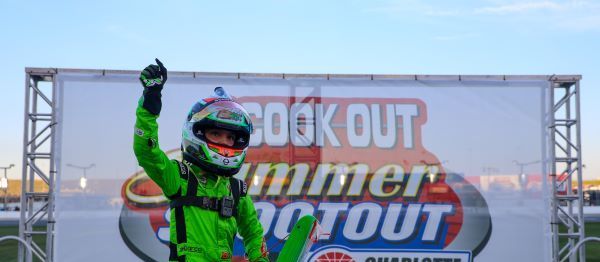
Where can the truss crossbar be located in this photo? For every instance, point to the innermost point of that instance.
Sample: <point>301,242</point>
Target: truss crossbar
<point>564,249</point>
<point>562,101</point>
<point>38,171</point>
<point>43,209</point>
<point>565,138</point>
<point>569,174</point>
<point>570,217</point>
<point>40,133</point>
<point>568,226</point>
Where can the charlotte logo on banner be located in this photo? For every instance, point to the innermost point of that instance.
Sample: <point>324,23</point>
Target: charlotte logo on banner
<point>358,165</point>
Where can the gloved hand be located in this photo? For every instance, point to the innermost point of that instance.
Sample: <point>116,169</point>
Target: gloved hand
<point>153,78</point>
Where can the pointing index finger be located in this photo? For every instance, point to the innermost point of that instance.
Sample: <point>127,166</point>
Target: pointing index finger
<point>159,63</point>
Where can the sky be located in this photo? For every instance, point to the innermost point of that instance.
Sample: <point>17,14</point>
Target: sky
<point>494,37</point>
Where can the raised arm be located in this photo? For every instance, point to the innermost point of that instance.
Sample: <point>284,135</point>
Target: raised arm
<point>145,140</point>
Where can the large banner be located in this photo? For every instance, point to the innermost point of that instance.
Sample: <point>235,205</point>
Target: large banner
<point>394,170</point>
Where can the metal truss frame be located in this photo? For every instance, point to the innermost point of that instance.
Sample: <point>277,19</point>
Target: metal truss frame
<point>39,144</point>
<point>38,163</point>
<point>568,225</point>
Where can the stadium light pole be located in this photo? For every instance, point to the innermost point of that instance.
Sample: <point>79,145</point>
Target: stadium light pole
<point>522,175</point>
<point>83,179</point>
<point>4,185</point>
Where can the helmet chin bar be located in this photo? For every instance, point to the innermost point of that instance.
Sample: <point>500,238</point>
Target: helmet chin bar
<point>207,167</point>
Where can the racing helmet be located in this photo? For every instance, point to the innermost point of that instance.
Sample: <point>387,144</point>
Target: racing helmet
<point>222,112</point>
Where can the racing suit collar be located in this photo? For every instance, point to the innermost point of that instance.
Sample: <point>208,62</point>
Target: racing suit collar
<point>209,178</point>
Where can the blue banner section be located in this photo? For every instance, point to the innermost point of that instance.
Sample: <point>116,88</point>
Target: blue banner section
<point>415,241</point>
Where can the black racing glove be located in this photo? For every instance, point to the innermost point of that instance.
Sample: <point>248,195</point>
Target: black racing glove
<point>153,78</point>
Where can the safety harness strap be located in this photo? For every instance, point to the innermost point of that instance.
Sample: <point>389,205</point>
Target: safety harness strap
<point>180,227</point>
<point>173,253</point>
<point>238,190</point>
<point>192,188</point>
<point>210,203</point>
<point>176,195</point>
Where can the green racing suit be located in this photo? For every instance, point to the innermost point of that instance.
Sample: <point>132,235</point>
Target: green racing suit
<point>196,234</point>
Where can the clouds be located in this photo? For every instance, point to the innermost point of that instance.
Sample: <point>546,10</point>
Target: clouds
<point>520,7</point>
<point>570,15</point>
<point>559,14</point>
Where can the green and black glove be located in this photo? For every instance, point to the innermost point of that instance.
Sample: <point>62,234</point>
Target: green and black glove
<point>153,78</point>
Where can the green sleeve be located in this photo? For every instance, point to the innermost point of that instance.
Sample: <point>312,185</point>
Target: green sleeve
<point>149,155</point>
<point>251,231</point>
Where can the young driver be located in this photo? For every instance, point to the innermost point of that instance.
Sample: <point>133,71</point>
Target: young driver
<point>208,206</point>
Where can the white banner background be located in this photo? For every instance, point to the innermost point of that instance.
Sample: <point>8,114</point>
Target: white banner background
<point>479,129</point>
